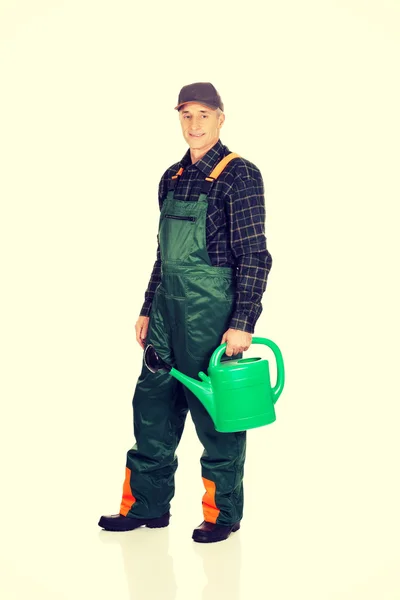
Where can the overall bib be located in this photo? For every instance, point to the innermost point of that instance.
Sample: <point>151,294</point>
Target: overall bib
<point>190,312</point>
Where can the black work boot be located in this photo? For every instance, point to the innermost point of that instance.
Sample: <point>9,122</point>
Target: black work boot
<point>121,523</point>
<point>210,532</point>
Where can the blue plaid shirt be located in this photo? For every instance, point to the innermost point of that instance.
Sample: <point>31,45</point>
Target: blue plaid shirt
<point>235,228</point>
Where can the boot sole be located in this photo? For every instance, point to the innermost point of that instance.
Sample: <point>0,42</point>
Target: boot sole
<point>151,524</point>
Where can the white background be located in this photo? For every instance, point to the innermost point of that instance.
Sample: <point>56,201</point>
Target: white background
<point>87,127</point>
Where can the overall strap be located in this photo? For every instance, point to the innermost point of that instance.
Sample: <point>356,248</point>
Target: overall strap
<point>216,172</point>
<point>208,181</point>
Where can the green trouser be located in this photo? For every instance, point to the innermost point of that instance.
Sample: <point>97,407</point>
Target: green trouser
<point>190,312</point>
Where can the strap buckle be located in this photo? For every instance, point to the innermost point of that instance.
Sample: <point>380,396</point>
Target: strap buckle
<point>206,185</point>
<point>174,180</point>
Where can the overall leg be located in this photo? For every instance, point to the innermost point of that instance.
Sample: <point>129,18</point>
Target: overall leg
<point>222,461</point>
<point>159,410</point>
<point>224,453</point>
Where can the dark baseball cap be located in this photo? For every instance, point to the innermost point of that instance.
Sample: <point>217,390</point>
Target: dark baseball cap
<point>203,93</point>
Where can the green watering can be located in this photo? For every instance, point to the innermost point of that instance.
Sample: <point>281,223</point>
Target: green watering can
<point>236,393</point>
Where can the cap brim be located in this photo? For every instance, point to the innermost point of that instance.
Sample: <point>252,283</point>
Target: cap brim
<point>195,102</point>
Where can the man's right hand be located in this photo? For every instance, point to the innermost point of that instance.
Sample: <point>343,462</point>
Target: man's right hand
<point>142,325</point>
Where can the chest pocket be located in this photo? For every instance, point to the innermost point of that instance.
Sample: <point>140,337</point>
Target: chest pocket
<point>179,218</point>
<point>181,237</point>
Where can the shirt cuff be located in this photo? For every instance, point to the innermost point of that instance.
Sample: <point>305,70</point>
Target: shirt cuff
<point>145,310</point>
<point>242,322</point>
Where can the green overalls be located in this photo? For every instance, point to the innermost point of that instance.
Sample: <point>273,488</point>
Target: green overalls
<point>189,314</point>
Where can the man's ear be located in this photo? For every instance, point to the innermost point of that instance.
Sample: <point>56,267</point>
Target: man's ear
<point>221,119</point>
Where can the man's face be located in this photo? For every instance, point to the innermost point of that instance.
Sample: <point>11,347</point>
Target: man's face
<point>200,125</point>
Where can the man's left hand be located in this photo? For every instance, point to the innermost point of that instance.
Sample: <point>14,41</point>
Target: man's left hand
<point>236,341</point>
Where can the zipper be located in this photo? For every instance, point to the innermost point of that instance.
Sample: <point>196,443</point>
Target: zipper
<point>179,218</point>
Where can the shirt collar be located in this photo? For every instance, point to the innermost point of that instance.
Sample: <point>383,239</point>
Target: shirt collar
<point>209,160</point>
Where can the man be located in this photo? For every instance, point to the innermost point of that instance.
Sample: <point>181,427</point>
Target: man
<point>205,289</point>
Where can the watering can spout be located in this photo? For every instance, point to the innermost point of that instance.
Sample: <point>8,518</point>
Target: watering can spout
<point>201,389</point>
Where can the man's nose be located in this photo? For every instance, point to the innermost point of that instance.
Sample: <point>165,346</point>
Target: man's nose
<point>196,124</point>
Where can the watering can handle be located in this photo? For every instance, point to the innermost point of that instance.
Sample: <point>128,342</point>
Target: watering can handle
<point>280,369</point>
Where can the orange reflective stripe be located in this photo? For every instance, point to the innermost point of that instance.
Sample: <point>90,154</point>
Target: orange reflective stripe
<point>210,509</point>
<point>222,164</point>
<point>127,499</point>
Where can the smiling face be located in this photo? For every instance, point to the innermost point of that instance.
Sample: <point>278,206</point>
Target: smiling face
<point>200,127</point>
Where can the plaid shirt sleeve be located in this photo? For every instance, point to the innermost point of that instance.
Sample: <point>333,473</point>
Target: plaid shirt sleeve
<point>155,277</point>
<point>245,208</point>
